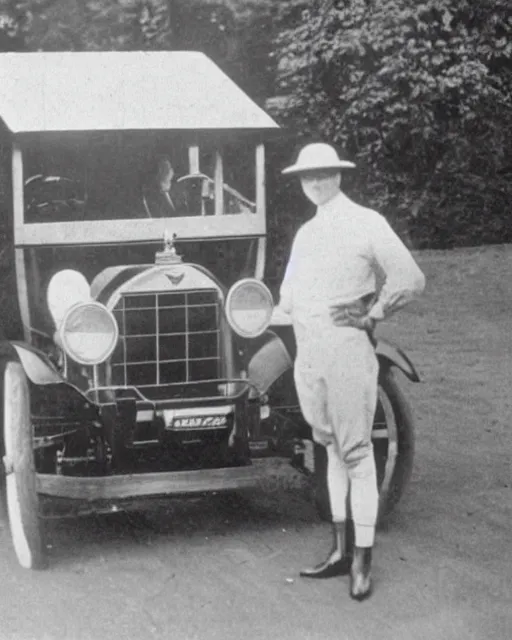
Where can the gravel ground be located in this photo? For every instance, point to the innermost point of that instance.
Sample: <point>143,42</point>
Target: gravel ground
<point>211,568</point>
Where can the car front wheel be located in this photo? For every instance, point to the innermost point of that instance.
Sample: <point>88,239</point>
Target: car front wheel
<point>21,504</point>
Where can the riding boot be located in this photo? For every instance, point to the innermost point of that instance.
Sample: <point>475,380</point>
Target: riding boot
<point>360,574</point>
<point>339,559</point>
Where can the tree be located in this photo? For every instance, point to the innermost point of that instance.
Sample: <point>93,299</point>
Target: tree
<point>13,24</point>
<point>415,93</point>
<point>58,25</point>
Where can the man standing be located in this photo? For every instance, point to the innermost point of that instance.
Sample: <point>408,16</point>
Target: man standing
<point>330,291</point>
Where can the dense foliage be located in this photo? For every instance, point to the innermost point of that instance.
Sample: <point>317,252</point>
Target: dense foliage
<point>58,25</point>
<point>419,94</point>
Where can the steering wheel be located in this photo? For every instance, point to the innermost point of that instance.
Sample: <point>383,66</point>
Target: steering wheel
<point>206,184</point>
<point>44,204</point>
<point>207,194</point>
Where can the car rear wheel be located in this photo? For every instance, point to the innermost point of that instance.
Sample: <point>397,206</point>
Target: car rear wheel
<point>393,446</point>
<point>21,503</point>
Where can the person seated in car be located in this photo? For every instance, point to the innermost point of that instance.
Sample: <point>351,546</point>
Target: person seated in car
<point>162,195</point>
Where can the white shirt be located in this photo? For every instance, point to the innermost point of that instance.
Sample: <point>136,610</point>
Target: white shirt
<point>335,258</point>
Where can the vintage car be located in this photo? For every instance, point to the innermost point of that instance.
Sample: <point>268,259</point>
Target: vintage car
<point>152,362</point>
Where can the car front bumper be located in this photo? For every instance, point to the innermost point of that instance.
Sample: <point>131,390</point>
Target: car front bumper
<point>139,485</point>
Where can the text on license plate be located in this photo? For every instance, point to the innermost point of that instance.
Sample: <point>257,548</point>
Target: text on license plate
<point>198,422</point>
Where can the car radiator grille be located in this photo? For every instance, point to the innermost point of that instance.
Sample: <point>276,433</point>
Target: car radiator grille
<point>166,338</point>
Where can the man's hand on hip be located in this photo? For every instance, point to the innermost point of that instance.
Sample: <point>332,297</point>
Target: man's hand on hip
<point>345,317</point>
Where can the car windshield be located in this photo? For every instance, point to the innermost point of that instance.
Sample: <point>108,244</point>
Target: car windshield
<point>127,175</point>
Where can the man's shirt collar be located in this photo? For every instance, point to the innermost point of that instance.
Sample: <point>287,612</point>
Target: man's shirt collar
<point>334,206</point>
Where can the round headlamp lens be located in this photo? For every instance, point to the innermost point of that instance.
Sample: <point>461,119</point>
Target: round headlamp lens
<point>249,307</point>
<point>89,333</point>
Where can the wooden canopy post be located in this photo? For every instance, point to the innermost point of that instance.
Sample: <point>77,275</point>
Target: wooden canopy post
<point>260,179</point>
<point>219,184</point>
<point>193,159</point>
<point>18,213</point>
<point>261,209</point>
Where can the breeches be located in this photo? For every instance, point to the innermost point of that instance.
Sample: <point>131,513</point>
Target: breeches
<point>336,380</point>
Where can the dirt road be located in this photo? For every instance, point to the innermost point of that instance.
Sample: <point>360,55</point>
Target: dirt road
<point>208,570</point>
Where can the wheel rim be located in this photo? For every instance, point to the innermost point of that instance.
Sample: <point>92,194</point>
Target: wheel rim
<point>385,428</point>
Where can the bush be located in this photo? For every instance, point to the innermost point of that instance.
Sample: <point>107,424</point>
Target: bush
<point>419,95</point>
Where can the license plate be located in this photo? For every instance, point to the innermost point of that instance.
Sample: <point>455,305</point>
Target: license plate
<point>184,422</point>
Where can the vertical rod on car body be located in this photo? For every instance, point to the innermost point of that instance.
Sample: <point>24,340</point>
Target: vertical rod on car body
<point>95,383</point>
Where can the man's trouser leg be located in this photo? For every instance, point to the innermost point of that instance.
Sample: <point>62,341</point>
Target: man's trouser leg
<point>364,498</point>
<point>337,483</point>
<point>352,398</point>
<point>339,559</point>
<point>312,393</point>
<point>338,394</point>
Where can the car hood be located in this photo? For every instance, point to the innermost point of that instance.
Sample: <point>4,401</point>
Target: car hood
<point>112,283</point>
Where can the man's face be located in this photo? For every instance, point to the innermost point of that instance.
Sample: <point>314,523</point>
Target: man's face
<point>320,186</point>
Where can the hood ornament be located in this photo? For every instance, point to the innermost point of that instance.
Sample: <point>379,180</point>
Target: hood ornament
<point>168,255</point>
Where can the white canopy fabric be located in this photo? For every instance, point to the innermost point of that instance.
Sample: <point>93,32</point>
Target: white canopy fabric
<point>70,91</point>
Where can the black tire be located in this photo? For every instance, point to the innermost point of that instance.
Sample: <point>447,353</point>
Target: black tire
<point>19,477</point>
<point>393,441</point>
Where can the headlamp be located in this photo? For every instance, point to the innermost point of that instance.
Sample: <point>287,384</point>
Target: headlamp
<point>66,288</point>
<point>89,333</point>
<point>249,306</point>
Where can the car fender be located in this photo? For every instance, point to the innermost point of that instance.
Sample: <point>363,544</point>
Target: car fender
<point>391,355</point>
<point>268,363</point>
<point>38,368</point>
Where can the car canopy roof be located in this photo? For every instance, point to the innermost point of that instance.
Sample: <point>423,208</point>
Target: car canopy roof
<point>70,91</point>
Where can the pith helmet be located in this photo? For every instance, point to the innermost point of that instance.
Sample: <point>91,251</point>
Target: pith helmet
<point>318,156</point>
